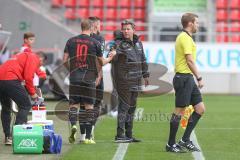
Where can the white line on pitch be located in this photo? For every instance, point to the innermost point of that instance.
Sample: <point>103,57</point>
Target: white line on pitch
<point>121,151</point>
<point>197,155</point>
<point>218,128</point>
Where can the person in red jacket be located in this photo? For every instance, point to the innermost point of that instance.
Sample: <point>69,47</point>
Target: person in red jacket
<point>20,68</point>
<point>29,40</point>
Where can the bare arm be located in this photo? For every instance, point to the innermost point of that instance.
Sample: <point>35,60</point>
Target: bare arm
<point>192,66</point>
<point>100,73</point>
<point>104,61</point>
<point>65,59</point>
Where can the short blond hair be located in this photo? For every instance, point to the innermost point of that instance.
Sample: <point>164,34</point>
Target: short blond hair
<point>86,25</point>
<point>188,17</point>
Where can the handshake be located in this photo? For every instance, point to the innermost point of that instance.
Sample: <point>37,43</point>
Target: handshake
<point>37,101</point>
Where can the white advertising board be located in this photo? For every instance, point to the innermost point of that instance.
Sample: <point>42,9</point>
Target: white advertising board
<point>210,57</point>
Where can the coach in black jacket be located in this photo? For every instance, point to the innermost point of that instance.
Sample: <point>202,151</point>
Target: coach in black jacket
<point>129,67</point>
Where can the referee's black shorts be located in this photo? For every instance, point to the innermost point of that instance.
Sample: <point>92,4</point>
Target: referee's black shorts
<point>82,92</point>
<point>186,91</point>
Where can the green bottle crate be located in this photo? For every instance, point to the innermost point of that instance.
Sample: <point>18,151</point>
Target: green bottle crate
<point>27,139</point>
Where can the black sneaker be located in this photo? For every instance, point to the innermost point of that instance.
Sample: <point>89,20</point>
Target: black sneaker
<point>122,139</point>
<point>188,145</point>
<point>8,141</point>
<point>134,140</point>
<point>175,148</point>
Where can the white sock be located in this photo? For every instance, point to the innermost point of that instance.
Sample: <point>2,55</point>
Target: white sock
<point>92,133</point>
<point>82,137</point>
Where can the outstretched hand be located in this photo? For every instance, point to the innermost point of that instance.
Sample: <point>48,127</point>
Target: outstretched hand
<point>38,101</point>
<point>112,54</point>
<point>146,82</point>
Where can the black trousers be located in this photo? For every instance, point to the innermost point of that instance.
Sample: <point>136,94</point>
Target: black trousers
<point>13,89</point>
<point>126,110</point>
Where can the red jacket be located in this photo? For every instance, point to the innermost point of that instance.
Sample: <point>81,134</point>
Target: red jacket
<point>21,67</point>
<point>26,48</point>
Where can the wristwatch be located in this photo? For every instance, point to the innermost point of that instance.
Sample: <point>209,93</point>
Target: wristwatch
<point>199,78</point>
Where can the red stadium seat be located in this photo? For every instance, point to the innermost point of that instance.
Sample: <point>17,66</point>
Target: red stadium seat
<point>222,38</point>
<point>139,14</point>
<point>221,4</point>
<point>109,37</point>
<point>97,3</point>
<point>97,12</point>
<point>70,14</point>
<point>235,27</point>
<point>83,3</point>
<point>56,3</point>
<point>110,26</point>
<point>70,3</point>
<point>142,38</point>
<point>234,38</point>
<point>139,26</point>
<point>125,3</point>
<point>140,3</point>
<point>124,13</point>
<point>235,4</point>
<point>82,13</point>
<point>235,15</point>
<point>222,15</point>
<point>222,27</point>
<point>111,14</point>
<point>111,3</point>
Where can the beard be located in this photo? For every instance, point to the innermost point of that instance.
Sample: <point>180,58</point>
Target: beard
<point>194,30</point>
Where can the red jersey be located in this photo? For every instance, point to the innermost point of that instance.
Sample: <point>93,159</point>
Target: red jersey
<point>21,67</point>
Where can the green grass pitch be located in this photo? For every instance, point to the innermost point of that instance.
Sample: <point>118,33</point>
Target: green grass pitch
<point>218,132</point>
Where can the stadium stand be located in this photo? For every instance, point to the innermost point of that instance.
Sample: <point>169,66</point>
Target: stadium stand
<point>235,4</point>
<point>83,3</point>
<point>70,14</point>
<point>57,3</point>
<point>70,3</point>
<point>225,22</point>
<point>107,10</point>
<point>111,14</point>
<point>228,20</point>
<point>140,3</point>
<point>97,3</point>
<point>221,4</point>
<point>82,13</point>
<point>111,3</point>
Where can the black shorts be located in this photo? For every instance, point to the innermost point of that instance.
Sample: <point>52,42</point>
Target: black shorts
<point>186,91</point>
<point>82,92</point>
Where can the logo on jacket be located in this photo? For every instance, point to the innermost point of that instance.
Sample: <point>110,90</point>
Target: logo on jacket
<point>125,45</point>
